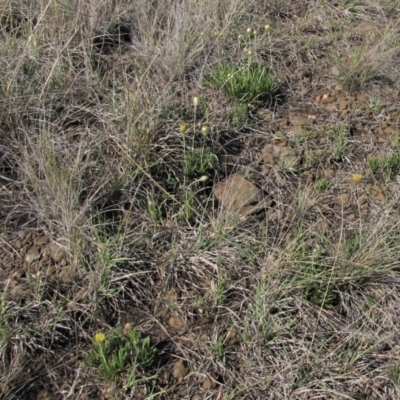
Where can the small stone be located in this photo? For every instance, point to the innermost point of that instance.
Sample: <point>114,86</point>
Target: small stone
<point>366,28</point>
<point>238,194</point>
<point>41,240</point>
<point>377,193</point>
<point>176,323</point>
<point>204,337</point>
<point>342,199</point>
<point>17,275</point>
<point>18,244</point>
<point>335,70</point>
<point>231,335</point>
<point>343,104</point>
<point>32,255</point>
<point>57,253</point>
<point>180,370</point>
<point>173,294</point>
<point>362,200</point>
<point>208,383</point>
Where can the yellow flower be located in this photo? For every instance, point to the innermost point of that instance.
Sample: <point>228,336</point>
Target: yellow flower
<point>240,37</point>
<point>99,337</point>
<point>182,128</point>
<point>267,27</point>
<point>250,52</point>
<point>205,129</point>
<point>249,31</point>
<point>357,178</point>
<point>217,32</point>
<point>196,101</point>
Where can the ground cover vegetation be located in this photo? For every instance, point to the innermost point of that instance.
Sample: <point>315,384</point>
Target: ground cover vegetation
<point>199,199</point>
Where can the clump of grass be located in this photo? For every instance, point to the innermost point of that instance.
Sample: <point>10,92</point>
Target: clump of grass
<point>389,165</point>
<point>198,161</point>
<point>252,83</point>
<point>321,185</point>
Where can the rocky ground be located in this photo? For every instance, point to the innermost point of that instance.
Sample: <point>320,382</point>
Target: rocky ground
<point>255,245</point>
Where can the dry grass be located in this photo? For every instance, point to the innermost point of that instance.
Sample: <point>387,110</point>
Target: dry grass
<point>297,301</point>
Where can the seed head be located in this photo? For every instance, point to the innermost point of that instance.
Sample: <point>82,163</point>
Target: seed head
<point>357,178</point>
<point>182,128</point>
<point>205,129</point>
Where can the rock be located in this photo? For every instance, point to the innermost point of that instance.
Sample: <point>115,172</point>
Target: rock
<point>343,104</point>
<point>283,156</point>
<point>32,255</point>
<point>335,70</point>
<point>17,275</point>
<point>289,159</point>
<point>238,194</point>
<point>208,383</point>
<point>57,253</point>
<point>299,120</point>
<point>342,199</point>
<point>180,370</point>
<point>366,28</point>
<point>266,155</point>
<point>377,193</point>
<point>176,323</point>
<point>41,240</point>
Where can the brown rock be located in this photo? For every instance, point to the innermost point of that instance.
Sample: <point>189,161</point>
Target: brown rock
<point>266,156</point>
<point>180,370</point>
<point>176,323</point>
<point>289,159</point>
<point>64,275</point>
<point>41,240</point>
<point>238,194</point>
<point>362,200</point>
<point>335,70</point>
<point>366,28</point>
<point>208,383</point>
<point>328,99</point>
<point>342,105</point>
<point>342,199</point>
<point>299,120</point>
<point>377,193</point>
<point>332,106</point>
<point>32,255</point>
<point>57,253</point>
<point>205,337</point>
<point>17,275</point>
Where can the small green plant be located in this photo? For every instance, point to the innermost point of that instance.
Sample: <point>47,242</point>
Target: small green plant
<point>373,164</point>
<point>389,165</point>
<point>321,185</point>
<point>374,105</point>
<point>313,276</point>
<point>116,353</point>
<point>154,210</point>
<point>394,373</point>
<point>252,83</point>
<point>340,141</point>
<point>239,114</point>
<point>197,161</point>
